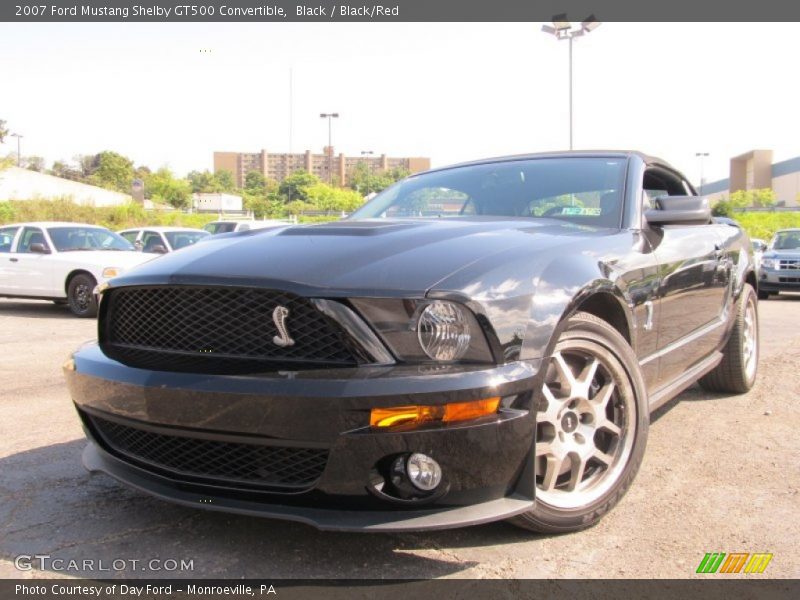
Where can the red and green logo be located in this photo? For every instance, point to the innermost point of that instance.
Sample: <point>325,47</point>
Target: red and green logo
<point>735,562</point>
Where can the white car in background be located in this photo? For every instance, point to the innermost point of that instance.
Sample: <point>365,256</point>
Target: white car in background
<point>160,240</point>
<point>62,262</point>
<point>216,227</point>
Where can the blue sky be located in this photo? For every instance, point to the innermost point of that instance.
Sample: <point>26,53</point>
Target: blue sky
<point>170,94</point>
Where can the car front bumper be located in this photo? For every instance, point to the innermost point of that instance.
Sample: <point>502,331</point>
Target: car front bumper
<point>779,280</point>
<point>487,463</point>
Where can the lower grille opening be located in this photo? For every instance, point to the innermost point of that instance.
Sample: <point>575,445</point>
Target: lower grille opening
<point>284,468</point>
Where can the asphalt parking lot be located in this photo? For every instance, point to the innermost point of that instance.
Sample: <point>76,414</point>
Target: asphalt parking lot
<point>720,475</point>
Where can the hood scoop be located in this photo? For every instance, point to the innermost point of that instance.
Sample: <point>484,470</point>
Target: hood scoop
<point>345,228</point>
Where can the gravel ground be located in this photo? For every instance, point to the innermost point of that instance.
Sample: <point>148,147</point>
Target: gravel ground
<point>720,475</point>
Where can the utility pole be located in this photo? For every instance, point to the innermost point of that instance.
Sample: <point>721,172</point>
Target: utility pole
<point>330,117</point>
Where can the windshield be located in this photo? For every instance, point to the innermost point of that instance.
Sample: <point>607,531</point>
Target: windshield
<point>216,228</point>
<point>580,190</point>
<point>67,239</point>
<point>786,240</point>
<point>181,239</point>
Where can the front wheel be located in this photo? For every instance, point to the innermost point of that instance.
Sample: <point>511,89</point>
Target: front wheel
<point>80,295</point>
<point>591,428</point>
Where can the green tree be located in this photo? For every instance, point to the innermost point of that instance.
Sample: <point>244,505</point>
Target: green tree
<point>65,171</point>
<point>722,209</point>
<point>203,182</point>
<point>295,186</point>
<point>34,163</point>
<point>162,186</point>
<point>333,199</point>
<point>3,131</point>
<point>255,182</point>
<point>739,199</point>
<point>225,181</point>
<point>366,182</point>
<point>112,171</point>
<point>764,197</point>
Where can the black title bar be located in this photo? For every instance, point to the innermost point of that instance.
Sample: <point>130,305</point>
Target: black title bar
<point>394,10</point>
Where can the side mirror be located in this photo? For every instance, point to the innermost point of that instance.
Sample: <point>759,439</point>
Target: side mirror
<point>39,248</point>
<point>157,249</point>
<point>679,210</point>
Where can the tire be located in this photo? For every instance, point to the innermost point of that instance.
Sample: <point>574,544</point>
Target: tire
<point>599,420</point>
<point>763,295</point>
<point>80,295</point>
<point>737,372</point>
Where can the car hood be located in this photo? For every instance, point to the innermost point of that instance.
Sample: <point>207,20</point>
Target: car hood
<point>782,254</point>
<point>367,257</point>
<point>105,258</point>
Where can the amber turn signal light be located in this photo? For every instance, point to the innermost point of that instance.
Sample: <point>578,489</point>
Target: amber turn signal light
<point>445,413</point>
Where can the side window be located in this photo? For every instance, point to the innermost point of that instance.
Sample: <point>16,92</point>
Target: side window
<point>659,182</point>
<point>30,236</point>
<point>7,238</point>
<point>151,239</point>
<point>130,235</point>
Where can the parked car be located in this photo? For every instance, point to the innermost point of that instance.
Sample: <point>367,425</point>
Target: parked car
<point>62,262</point>
<point>216,227</point>
<point>497,358</point>
<point>160,240</point>
<point>780,264</point>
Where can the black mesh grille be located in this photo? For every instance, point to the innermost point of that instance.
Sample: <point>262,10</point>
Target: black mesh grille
<point>269,466</point>
<point>219,330</point>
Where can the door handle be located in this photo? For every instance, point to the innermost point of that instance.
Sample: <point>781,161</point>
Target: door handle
<point>13,259</point>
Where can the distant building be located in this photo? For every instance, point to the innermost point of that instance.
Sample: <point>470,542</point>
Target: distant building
<point>23,184</point>
<point>755,170</point>
<point>279,166</point>
<point>211,202</point>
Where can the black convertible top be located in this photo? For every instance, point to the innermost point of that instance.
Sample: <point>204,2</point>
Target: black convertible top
<point>646,158</point>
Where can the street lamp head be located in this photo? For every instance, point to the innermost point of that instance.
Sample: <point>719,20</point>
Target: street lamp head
<point>590,24</point>
<point>560,22</point>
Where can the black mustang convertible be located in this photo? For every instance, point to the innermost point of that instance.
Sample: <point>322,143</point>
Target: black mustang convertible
<point>478,342</point>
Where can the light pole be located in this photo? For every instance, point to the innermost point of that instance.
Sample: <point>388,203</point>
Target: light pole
<point>701,156</point>
<point>19,156</point>
<point>330,117</point>
<point>369,170</point>
<point>563,30</point>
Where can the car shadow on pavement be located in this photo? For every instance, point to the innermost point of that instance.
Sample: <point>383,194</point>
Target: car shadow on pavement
<point>52,506</point>
<point>34,309</point>
<point>693,394</point>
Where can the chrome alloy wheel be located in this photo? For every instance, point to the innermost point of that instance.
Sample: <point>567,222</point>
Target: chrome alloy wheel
<point>750,340</point>
<point>585,425</point>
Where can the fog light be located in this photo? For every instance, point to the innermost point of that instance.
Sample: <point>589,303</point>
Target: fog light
<point>423,472</point>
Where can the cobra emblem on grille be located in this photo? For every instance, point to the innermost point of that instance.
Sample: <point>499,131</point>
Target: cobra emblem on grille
<point>279,316</point>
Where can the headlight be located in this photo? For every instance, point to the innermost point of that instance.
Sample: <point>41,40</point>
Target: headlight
<point>443,331</point>
<point>417,331</point>
<point>110,272</point>
<point>769,263</point>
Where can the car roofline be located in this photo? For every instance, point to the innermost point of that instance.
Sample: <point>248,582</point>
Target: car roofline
<point>627,154</point>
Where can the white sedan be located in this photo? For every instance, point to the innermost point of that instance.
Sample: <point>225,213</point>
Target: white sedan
<point>62,262</point>
<point>160,240</point>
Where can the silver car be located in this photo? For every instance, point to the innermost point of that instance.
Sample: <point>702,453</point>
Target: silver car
<point>780,264</point>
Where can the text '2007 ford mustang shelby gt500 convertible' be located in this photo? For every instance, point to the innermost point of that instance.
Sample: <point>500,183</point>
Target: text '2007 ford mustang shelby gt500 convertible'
<point>478,342</point>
